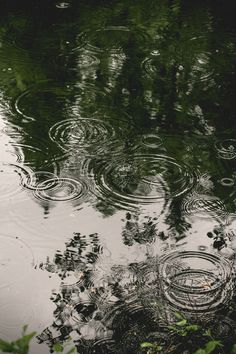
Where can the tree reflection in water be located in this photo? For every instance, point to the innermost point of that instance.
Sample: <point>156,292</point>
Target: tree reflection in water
<point>125,108</point>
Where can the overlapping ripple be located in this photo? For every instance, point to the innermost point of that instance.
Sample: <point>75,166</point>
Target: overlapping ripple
<point>202,205</point>
<point>80,133</point>
<point>39,181</point>
<point>12,178</point>
<point>37,158</point>
<point>61,190</point>
<point>93,136</point>
<point>196,281</point>
<point>142,179</point>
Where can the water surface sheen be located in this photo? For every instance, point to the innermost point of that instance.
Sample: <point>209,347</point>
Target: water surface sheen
<point>117,170</point>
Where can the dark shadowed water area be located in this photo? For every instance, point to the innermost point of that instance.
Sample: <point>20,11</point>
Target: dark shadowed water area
<point>117,169</point>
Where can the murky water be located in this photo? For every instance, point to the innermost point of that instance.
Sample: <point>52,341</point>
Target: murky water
<point>117,169</point>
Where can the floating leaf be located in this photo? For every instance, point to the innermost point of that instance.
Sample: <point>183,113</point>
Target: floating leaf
<point>200,351</point>
<point>58,348</point>
<point>192,328</point>
<point>211,346</point>
<point>146,345</point>
<point>181,323</point>
<point>207,333</point>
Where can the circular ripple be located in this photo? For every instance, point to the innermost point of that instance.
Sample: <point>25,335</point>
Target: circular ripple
<point>226,149</point>
<point>203,205</point>
<point>93,136</point>
<point>39,181</point>
<point>202,70</point>
<point>13,131</point>
<point>103,346</point>
<point>111,38</point>
<point>152,141</point>
<point>49,99</point>
<point>61,190</point>
<point>142,179</point>
<point>151,65</point>
<point>31,103</point>
<point>196,281</point>
<point>227,182</point>
<point>86,59</point>
<point>27,154</point>
<point>37,157</point>
<point>80,133</point>
<point>12,178</point>
<point>16,258</point>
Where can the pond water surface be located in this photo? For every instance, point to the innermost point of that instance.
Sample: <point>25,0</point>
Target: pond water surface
<point>117,168</point>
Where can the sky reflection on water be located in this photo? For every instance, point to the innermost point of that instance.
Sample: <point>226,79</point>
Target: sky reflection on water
<point>117,135</point>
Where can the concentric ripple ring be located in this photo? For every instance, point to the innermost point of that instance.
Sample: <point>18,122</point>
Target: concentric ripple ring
<point>226,149</point>
<point>142,179</point>
<point>196,281</point>
<point>91,135</point>
<point>82,132</point>
<point>61,190</point>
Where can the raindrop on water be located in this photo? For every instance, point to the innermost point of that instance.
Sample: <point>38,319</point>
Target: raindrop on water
<point>61,190</point>
<point>196,281</point>
<point>63,5</point>
<point>226,149</point>
<point>143,179</point>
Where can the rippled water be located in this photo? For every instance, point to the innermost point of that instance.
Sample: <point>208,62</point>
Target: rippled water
<point>117,171</point>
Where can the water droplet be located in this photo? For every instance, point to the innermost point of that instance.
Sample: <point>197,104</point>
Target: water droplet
<point>92,136</point>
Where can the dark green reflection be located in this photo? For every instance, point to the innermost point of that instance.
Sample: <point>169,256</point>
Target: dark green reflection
<point>123,106</point>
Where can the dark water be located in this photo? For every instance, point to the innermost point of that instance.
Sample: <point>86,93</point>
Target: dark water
<point>117,169</point>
